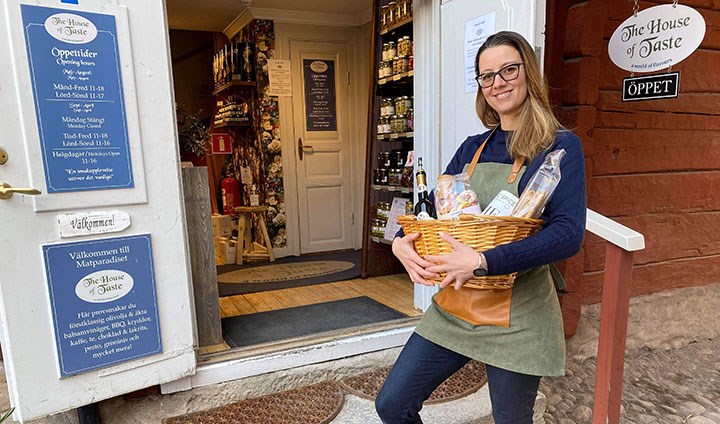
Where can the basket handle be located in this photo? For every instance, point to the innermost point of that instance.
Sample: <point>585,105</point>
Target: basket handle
<point>514,171</point>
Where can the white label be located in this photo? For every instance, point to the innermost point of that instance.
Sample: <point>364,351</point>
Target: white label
<point>104,286</point>
<point>254,200</point>
<point>502,205</point>
<point>657,38</point>
<point>71,29</point>
<point>245,175</point>
<point>279,77</point>
<point>95,222</point>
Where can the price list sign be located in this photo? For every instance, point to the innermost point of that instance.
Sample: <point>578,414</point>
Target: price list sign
<point>75,73</point>
<point>320,95</point>
<point>103,301</point>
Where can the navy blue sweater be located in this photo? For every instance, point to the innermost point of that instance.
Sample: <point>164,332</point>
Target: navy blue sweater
<point>564,216</point>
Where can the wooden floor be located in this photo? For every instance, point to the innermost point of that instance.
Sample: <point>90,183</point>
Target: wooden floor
<point>394,291</point>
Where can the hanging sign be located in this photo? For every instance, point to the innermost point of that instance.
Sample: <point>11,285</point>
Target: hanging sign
<point>79,103</point>
<point>320,95</point>
<point>661,86</point>
<point>103,302</point>
<point>657,38</point>
<point>221,144</point>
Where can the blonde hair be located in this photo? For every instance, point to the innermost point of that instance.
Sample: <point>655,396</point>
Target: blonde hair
<point>536,124</point>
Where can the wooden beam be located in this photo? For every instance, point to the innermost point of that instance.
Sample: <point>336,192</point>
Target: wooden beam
<point>617,287</point>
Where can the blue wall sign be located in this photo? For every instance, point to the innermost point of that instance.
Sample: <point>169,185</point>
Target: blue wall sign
<point>103,301</point>
<point>79,103</point>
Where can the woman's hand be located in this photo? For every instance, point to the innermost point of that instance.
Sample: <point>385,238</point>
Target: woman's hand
<point>459,264</point>
<point>415,266</point>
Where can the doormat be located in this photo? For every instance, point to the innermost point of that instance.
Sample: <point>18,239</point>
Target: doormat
<point>316,404</point>
<point>283,324</point>
<point>294,271</point>
<point>466,381</point>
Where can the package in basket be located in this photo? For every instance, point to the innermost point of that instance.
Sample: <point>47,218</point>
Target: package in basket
<point>540,187</point>
<point>453,196</point>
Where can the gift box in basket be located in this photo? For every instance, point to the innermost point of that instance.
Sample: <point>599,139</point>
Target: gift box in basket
<point>483,232</point>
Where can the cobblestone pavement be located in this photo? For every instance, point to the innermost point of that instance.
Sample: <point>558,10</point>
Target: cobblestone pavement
<point>660,386</point>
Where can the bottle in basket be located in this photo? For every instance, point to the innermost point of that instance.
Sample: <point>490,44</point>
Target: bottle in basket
<point>424,209</point>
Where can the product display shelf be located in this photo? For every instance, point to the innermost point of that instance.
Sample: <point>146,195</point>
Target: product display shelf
<point>377,257</point>
<point>234,85</point>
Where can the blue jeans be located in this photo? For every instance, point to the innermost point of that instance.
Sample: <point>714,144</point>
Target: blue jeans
<point>422,366</point>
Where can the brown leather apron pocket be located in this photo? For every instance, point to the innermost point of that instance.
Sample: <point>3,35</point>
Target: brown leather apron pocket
<point>477,307</point>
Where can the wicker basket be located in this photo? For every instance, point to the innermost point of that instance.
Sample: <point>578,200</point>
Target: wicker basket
<point>479,232</point>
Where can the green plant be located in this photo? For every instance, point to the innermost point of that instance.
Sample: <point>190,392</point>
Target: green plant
<point>192,133</point>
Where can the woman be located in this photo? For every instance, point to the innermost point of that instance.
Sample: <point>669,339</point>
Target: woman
<point>517,333</point>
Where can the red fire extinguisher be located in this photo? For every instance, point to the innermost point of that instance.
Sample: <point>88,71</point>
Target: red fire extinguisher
<point>231,196</point>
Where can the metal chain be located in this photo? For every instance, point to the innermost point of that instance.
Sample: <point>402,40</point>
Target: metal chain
<point>636,8</point>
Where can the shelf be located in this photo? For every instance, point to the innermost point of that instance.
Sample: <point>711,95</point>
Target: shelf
<point>395,136</point>
<point>233,124</point>
<point>396,25</point>
<point>234,84</point>
<point>380,240</point>
<point>399,77</point>
<point>406,190</point>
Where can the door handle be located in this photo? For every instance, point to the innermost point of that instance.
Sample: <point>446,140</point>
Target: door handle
<point>6,191</point>
<point>303,148</point>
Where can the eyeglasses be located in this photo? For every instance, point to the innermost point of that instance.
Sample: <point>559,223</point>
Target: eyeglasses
<point>508,73</point>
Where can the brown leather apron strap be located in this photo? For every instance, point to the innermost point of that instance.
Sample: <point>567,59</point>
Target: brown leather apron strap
<point>514,171</point>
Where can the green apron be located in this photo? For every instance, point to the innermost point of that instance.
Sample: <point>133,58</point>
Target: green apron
<point>534,344</point>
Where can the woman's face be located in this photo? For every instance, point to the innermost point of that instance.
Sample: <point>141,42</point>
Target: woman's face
<point>505,97</point>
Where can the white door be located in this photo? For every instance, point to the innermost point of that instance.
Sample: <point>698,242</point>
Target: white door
<point>462,25</point>
<point>94,284</point>
<point>320,116</point>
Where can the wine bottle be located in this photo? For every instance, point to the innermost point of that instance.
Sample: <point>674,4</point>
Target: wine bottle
<point>424,209</point>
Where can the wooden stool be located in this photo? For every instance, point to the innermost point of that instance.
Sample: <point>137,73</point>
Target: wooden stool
<point>246,247</point>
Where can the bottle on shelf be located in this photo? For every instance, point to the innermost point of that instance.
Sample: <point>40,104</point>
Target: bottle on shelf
<point>424,209</point>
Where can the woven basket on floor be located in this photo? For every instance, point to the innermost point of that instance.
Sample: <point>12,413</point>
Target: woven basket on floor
<point>479,232</point>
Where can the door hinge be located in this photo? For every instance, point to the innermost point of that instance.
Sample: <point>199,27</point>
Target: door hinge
<point>352,219</point>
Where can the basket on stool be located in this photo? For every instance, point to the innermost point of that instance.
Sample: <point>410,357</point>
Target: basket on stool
<point>479,232</point>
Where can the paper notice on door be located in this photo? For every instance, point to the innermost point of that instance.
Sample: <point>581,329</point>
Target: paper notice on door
<point>476,32</point>
<point>279,76</point>
<point>245,175</point>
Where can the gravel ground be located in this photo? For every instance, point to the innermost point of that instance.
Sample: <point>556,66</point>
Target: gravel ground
<point>679,385</point>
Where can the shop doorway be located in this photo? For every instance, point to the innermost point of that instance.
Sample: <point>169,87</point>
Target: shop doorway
<point>323,165</point>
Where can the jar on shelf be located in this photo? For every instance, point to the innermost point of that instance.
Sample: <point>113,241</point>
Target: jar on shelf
<point>383,160</point>
<point>387,68</point>
<point>377,228</point>
<point>411,65</point>
<point>384,51</point>
<point>411,120</point>
<point>383,180</point>
<point>398,11</point>
<point>405,12</point>
<point>402,125</point>
<point>409,207</point>
<point>389,106</point>
<point>394,176</point>
<point>402,64</point>
<point>392,10</point>
<point>387,129</point>
<point>382,209</point>
<point>391,51</point>
<point>376,176</point>
<point>397,159</point>
<point>381,125</point>
<point>384,11</point>
<point>407,181</point>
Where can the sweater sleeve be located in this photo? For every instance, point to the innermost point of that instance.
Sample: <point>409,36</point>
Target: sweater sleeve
<point>564,216</point>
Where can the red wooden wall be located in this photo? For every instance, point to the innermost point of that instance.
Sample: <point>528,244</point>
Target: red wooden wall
<point>653,166</point>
